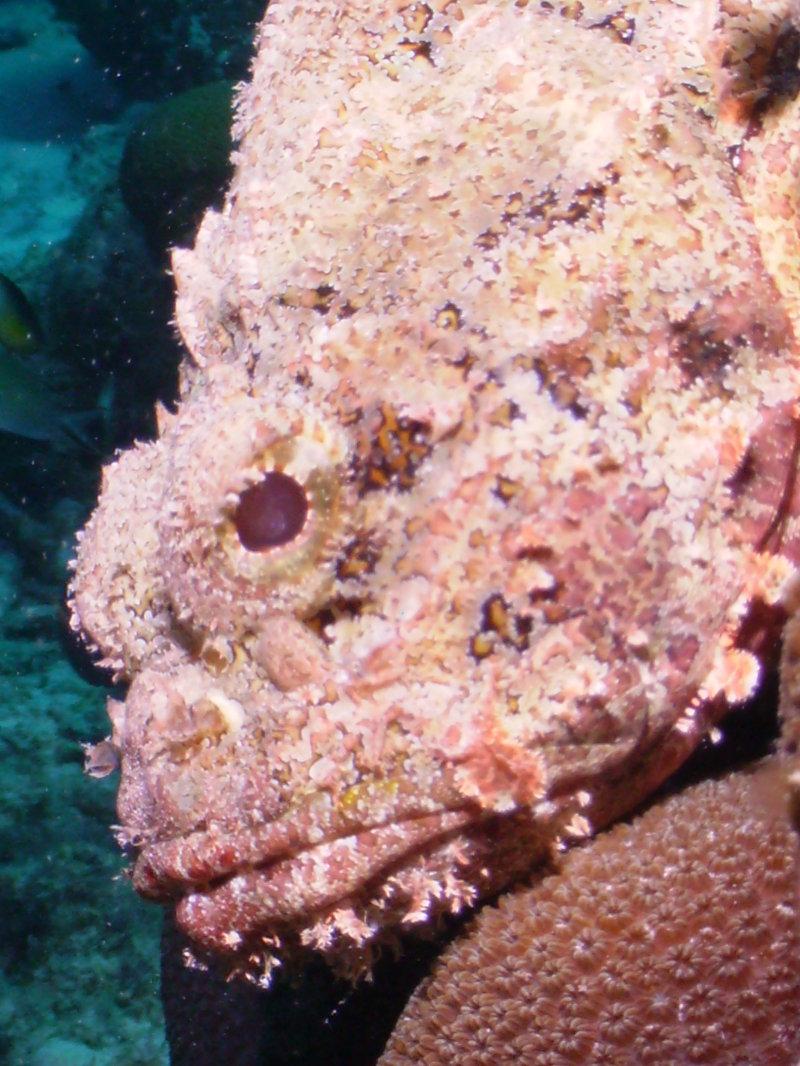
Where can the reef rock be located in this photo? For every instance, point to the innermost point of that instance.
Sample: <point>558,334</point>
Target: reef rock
<point>478,508</point>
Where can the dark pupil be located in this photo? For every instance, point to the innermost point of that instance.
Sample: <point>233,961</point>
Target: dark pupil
<point>270,513</point>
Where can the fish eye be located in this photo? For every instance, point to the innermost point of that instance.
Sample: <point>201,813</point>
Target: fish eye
<point>260,504</point>
<point>271,512</point>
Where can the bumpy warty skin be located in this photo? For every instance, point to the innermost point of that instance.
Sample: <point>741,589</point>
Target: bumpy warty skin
<point>510,293</point>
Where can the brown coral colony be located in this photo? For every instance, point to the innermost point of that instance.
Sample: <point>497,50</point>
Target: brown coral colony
<point>271,513</point>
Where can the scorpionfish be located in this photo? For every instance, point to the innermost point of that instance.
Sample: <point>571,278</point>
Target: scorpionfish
<point>478,508</point>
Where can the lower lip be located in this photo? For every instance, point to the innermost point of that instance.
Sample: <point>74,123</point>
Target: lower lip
<point>252,901</point>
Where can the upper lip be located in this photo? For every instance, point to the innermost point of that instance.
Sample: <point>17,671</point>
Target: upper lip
<point>168,867</point>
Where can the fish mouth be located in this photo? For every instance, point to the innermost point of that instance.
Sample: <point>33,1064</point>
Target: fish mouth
<point>229,824</point>
<point>256,832</point>
<point>234,887</point>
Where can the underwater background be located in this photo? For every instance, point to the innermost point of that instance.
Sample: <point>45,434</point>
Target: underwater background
<point>114,123</point>
<point>114,137</point>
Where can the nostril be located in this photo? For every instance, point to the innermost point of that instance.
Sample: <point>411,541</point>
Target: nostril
<point>271,512</point>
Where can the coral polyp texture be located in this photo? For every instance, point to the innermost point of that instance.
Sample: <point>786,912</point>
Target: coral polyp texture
<point>670,940</point>
<point>477,510</point>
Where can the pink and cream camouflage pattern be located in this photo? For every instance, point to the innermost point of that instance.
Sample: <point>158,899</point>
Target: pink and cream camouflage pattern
<point>507,292</point>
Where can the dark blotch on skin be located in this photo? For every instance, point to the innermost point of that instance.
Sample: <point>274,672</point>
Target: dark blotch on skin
<point>271,513</point>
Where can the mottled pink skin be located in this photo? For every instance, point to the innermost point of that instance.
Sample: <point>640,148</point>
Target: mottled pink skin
<point>511,294</point>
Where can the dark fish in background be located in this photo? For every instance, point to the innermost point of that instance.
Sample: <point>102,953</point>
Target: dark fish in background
<point>30,402</point>
<point>31,407</point>
<point>28,407</point>
<point>176,163</point>
<point>19,326</point>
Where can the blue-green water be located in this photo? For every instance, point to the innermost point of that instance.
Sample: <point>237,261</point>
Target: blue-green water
<point>79,952</point>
